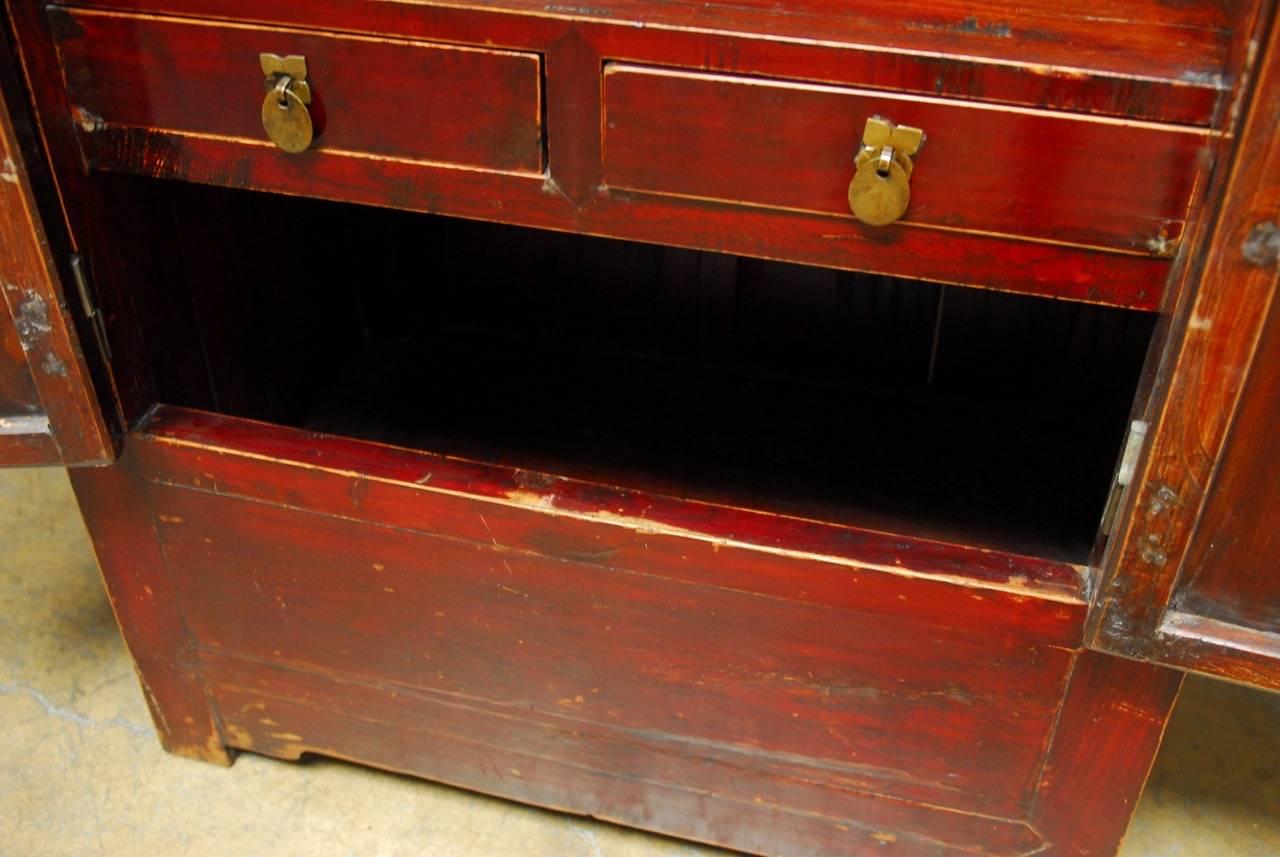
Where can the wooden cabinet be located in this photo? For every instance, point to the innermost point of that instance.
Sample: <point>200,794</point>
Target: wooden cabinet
<point>548,425</point>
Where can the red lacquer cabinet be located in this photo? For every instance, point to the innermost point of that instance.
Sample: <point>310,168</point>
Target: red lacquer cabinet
<point>811,428</point>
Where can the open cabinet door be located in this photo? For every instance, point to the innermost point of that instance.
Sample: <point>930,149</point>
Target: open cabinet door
<point>1192,574</point>
<point>49,412</point>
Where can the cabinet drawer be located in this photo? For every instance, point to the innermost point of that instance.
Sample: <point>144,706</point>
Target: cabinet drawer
<point>983,168</point>
<point>373,97</point>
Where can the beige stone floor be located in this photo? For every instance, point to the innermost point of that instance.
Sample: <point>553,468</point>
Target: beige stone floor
<point>81,773</point>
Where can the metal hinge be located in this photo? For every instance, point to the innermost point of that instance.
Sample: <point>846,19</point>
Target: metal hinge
<point>1124,476</point>
<point>89,305</point>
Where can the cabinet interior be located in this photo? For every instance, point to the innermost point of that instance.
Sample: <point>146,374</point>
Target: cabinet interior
<point>975,416</point>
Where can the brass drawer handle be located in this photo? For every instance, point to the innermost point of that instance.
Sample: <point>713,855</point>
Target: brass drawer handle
<point>284,111</point>
<point>881,186</point>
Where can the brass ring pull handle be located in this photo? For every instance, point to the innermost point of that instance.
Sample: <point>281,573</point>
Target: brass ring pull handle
<point>285,117</point>
<point>881,186</point>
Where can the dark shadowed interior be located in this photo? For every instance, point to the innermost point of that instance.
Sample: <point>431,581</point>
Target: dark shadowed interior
<point>977,416</point>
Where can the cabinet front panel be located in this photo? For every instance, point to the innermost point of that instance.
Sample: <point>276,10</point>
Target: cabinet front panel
<point>336,606</point>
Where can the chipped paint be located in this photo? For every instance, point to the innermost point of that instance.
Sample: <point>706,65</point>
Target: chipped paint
<point>10,172</point>
<point>34,424</point>
<point>239,737</point>
<point>1262,246</point>
<point>1162,246</point>
<point>1017,585</point>
<point>87,122</point>
<point>32,321</point>
<point>51,365</point>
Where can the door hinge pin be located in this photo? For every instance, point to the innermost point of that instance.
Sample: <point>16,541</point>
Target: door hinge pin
<point>88,304</point>
<point>1124,475</point>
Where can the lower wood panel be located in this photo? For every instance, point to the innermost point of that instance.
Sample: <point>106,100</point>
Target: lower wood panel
<point>868,698</point>
<point>772,703</point>
<point>701,791</point>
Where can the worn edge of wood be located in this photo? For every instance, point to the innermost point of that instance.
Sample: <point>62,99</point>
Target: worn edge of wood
<point>532,491</point>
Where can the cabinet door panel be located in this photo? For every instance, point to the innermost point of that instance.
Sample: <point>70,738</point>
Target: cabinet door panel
<point>49,413</point>
<point>1192,576</point>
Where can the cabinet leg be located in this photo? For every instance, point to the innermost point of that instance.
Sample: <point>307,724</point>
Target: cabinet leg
<point>115,504</point>
<point>1109,730</point>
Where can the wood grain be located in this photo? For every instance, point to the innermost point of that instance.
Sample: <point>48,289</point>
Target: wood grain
<point>397,482</point>
<point>1072,273</point>
<point>699,661</point>
<point>117,513</point>
<point>158,122</point>
<point>1209,363</point>
<point>384,97</point>
<point>1151,60</point>
<point>1232,569</point>
<point>1110,728</point>
<point>788,145</point>
<point>690,790</point>
<point>723,694</point>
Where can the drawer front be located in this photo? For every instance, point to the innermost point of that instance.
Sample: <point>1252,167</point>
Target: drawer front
<point>379,97</point>
<point>987,169</point>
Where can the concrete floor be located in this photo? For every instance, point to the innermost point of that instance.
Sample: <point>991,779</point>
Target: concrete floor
<point>81,772</point>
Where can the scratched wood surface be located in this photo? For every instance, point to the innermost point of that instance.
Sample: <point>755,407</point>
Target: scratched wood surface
<point>155,122</point>
<point>1110,727</point>
<point>845,543</point>
<point>782,144</point>
<point>522,641</point>
<point>1212,403</point>
<point>775,684</point>
<point>18,394</point>
<point>35,315</point>
<point>116,513</point>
